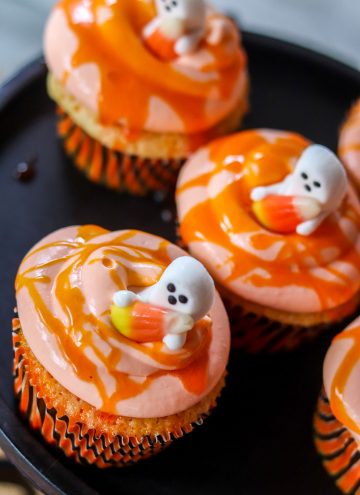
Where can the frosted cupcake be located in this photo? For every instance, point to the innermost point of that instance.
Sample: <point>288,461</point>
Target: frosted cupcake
<point>139,85</point>
<point>120,346</point>
<point>274,220</point>
<point>337,419</point>
<point>349,144</point>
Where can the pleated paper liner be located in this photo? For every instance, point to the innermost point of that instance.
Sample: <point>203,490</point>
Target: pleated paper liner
<point>254,330</point>
<point>338,449</point>
<point>76,440</point>
<point>113,169</point>
<point>256,333</point>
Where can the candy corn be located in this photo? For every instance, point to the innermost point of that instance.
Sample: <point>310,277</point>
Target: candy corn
<point>161,42</point>
<point>283,214</point>
<point>143,322</point>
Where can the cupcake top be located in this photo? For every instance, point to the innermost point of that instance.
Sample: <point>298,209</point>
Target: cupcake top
<point>87,302</point>
<point>110,58</point>
<point>342,377</point>
<point>260,211</point>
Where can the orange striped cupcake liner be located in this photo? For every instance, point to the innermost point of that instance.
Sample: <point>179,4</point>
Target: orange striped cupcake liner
<point>338,449</point>
<point>76,440</point>
<point>256,333</point>
<point>114,169</point>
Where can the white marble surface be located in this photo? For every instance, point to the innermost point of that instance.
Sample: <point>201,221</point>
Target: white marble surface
<point>329,26</point>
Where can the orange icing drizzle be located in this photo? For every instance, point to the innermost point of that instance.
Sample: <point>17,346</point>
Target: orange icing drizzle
<point>258,161</point>
<point>130,75</point>
<point>190,363</point>
<point>341,378</point>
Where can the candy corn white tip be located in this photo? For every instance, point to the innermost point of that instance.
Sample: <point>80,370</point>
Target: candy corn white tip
<point>308,208</point>
<point>172,28</point>
<point>178,323</point>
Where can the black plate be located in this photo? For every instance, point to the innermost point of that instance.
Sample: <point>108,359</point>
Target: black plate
<point>10,479</point>
<point>259,440</point>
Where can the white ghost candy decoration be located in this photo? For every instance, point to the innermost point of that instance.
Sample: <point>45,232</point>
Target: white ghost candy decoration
<point>185,288</point>
<point>318,175</point>
<point>177,29</point>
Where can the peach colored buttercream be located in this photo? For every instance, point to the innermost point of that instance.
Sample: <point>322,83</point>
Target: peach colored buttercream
<point>349,143</point>
<point>96,50</point>
<point>289,272</point>
<point>64,292</point>
<point>342,377</point>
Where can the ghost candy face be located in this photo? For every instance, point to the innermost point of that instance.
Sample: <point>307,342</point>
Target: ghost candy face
<point>177,29</point>
<point>192,12</point>
<point>319,174</point>
<point>317,185</point>
<point>185,287</point>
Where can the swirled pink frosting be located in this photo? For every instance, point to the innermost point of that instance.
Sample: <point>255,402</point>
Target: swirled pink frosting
<point>65,287</point>
<point>342,377</point>
<point>285,272</point>
<point>349,143</point>
<point>95,50</point>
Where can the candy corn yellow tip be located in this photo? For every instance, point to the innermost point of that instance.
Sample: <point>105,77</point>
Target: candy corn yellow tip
<point>258,210</point>
<point>120,318</point>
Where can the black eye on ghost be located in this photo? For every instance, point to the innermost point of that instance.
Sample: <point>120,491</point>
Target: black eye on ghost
<point>172,299</point>
<point>169,5</point>
<point>307,187</point>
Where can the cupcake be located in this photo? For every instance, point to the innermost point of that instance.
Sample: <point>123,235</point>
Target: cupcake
<point>337,418</point>
<point>121,343</point>
<point>349,144</point>
<point>276,223</point>
<point>140,84</point>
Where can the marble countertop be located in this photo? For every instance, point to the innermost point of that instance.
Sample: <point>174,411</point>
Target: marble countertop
<point>329,26</point>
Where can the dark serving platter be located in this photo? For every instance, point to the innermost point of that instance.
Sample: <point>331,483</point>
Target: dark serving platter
<point>259,440</point>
